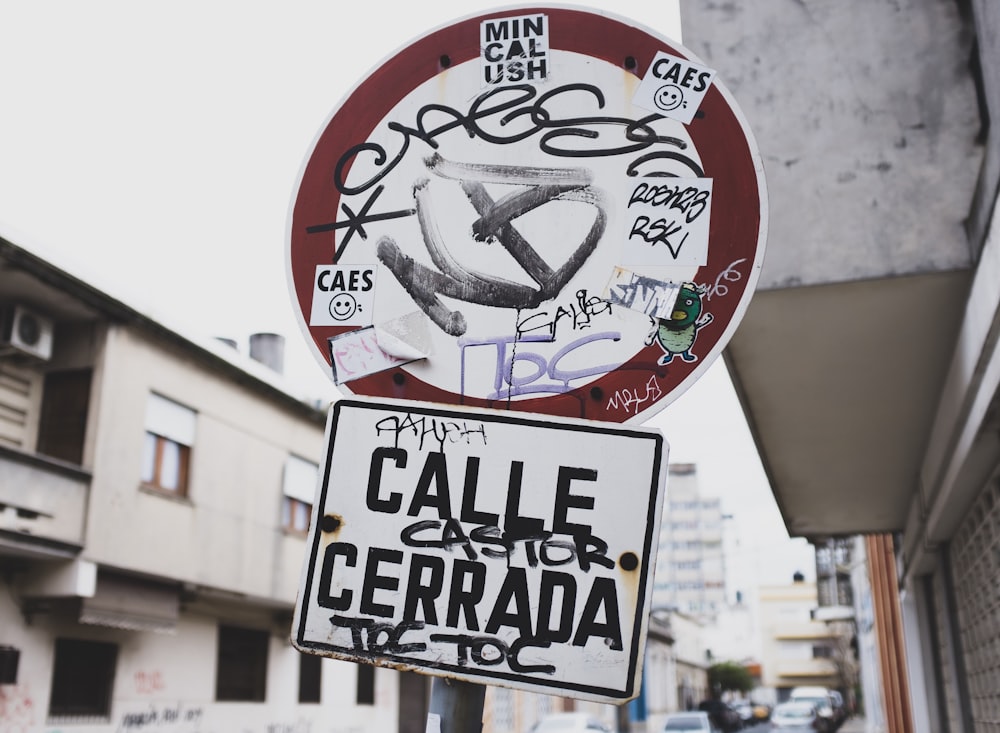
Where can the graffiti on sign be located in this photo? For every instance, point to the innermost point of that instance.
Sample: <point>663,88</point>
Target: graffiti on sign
<point>669,222</point>
<point>514,49</point>
<point>499,194</point>
<point>519,561</point>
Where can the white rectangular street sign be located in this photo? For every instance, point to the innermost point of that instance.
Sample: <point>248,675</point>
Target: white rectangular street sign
<point>495,547</point>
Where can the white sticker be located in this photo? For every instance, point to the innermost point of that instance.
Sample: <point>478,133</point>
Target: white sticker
<point>647,295</point>
<point>343,295</point>
<point>674,87</point>
<point>514,50</point>
<point>407,337</point>
<point>667,222</point>
<point>357,354</point>
<point>433,723</point>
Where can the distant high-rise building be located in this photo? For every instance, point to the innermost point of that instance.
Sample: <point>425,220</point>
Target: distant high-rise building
<point>833,571</point>
<point>690,564</point>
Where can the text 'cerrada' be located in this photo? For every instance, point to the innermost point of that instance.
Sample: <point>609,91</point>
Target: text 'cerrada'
<point>484,546</point>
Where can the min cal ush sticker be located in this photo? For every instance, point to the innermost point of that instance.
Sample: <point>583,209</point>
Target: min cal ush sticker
<point>514,50</point>
<point>343,295</point>
<point>674,87</point>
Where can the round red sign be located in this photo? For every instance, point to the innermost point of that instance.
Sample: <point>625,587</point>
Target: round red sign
<point>541,208</point>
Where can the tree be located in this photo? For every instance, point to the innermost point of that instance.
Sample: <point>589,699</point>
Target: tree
<point>729,677</point>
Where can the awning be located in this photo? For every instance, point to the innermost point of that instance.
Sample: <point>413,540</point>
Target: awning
<point>132,604</point>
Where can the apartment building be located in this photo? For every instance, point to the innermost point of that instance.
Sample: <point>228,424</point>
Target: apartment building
<point>796,649</point>
<point>690,563</point>
<point>154,497</point>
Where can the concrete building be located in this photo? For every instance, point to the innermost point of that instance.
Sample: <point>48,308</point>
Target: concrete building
<point>690,564</point>
<point>834,560</point>
<point>691,660</point>
<point>868,362</point>
<point>796,649</point>
<point>675,675</point>
<point>154,494</point>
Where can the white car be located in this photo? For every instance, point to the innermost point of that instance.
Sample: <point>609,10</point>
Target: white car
<point>745,710</point>
<point>570,723</point>
<point>798,716</point>
<point>694,721</point>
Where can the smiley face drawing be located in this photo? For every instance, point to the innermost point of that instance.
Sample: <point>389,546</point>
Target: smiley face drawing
<point>343,306</point>
<point>669,97</point>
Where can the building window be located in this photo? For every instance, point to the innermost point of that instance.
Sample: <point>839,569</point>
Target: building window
<point>822,651</point>
<point>310,674</point>
<point>166,452</point>
<point>241,671</point>
<point>83,676</point>
<point>62,425</point>
<point>366,685</point>
<point>299,488</point>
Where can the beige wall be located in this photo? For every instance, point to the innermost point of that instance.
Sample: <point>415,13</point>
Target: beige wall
<point>175,673</point>
<point>226,533</point>
<point>788,636</point>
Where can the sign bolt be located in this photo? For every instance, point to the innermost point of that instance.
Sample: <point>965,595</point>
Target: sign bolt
<point>628,561</point>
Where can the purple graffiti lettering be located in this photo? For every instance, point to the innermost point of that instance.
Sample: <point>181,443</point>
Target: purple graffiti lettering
<point>531,383</point>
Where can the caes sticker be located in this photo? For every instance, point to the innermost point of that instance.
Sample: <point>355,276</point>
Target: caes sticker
<point>343,295</point>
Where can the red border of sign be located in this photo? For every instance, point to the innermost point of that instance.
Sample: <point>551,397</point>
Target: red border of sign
<point>719,135</point>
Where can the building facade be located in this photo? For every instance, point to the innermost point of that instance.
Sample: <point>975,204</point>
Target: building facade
<point>675,672</point>
<point>690,563</point>
<point>154,497</point>
<point>868,363</point>
<point>797,650</point>
<point>835,559</point>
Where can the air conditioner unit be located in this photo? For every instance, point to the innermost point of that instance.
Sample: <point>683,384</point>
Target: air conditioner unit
<point>28,332</point>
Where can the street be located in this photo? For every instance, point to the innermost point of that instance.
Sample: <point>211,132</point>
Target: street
<point>853,725</point>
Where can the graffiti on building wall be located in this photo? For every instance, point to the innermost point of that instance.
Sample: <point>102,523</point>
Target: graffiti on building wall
<point>148,682</point>
<point>173,717</point>
<point>17,708</point>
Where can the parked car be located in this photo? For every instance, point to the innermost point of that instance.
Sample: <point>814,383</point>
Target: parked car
<point>745,711</point>
<point>697,721</point>
<point>839,709</point>
<point>570,723</point>
<point>722,715</point>
<point>799,716</point>
<point>824,702</point>
<point>761,712</point>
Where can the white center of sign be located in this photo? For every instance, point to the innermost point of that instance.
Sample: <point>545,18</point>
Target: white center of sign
<point>514,258</point>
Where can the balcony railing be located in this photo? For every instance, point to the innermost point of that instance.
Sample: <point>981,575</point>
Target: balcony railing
<point>805,668</point>
<point>43,501</point>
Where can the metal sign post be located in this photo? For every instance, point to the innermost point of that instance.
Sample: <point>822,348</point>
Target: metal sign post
<point>539,211</point>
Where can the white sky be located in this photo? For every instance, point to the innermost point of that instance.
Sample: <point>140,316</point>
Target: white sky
<point>153,148</point>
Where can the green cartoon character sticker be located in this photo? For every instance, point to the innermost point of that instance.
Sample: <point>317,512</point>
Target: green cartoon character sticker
<point>676,335</point>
